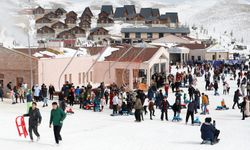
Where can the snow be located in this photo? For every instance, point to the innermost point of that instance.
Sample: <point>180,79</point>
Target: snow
<point>94,131</point>
<point>106,53</point>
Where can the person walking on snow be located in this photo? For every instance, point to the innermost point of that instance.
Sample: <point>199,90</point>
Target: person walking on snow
<point>57,116</point>
<point>190,111</point>
<point>164,108</point>
<point>35,120</point>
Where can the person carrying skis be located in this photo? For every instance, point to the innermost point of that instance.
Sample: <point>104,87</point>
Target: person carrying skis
<point>57,116</point>
<point>35,120</point>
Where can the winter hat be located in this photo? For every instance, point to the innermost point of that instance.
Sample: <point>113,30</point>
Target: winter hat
<point>208,120</point>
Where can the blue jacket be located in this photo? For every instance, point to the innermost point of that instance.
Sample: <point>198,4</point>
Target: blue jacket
<point>207,131</point>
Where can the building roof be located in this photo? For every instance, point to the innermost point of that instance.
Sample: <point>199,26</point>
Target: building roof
<point>119,12</point>
<point>107,8</point>
<point>155,12</point>
<point>130,9</point>
<point>143,54</point>
<point>156,30</point>
<point>146,12</point>
<point>173,16</point>
<point>96,29</point>
<point>94,50</point>
<point>194,46</point>
<point>171,39</point>
<point>61,9</point>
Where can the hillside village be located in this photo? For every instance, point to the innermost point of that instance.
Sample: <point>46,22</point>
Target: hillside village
<point>125,45</point>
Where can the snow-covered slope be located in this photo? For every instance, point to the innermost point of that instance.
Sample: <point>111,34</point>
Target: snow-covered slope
<point>217,16</point>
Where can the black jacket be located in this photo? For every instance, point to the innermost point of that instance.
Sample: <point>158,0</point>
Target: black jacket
<point>35,117</point>
<point>191,106</point>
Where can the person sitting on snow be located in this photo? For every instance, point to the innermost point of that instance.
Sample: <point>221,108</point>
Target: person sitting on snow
<point>209,131</point>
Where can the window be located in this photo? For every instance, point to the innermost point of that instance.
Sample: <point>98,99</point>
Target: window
<point>79,78</point>
<point>127,35</point>
<point>161,35</point>
<point>163,67</point>
<point>192,58</point>
<point>213,57</point>
<point>138,35</point>
<point>149,35</point>
<point>199,58</point>
<point>156,68</point>
<point>219,56</point>
<point>70,78</point>
<point>65,78</point>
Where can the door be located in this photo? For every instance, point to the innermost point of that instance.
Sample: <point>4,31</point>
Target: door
<point>122,76</point>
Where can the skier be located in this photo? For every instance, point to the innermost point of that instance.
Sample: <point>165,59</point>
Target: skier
<point>35,119</point>
<point>209,132</point>
<point>56,118</point>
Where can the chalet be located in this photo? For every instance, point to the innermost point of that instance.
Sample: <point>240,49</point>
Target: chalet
<point>59,27</point>
<point>99,34</point>
<point>60,11</point>
<point>39,11</point>
<point>130,35</point>
<point>137,18</point>
<point>88,12</point>
<point>103,14</point>
<point>66,35</point>
<point>84,24</point>
<point>105,21</point>
<point>170,19</point>
<point>41,22</point>
<point>108,9</point>
<point>70,21</point>
<point>149,13</point>
<point>46,32</point>
<point>130,9</point>
<point>85,17</point>
<point>120,13</point>
<point>78,32</point>
<point>52,16</point>
<point>71,14</point>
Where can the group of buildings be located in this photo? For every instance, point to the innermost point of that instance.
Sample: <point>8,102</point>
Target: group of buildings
<point>142,52</point>
<point>146,25</point>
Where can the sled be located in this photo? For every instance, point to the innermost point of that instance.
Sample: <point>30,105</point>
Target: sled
<point>176,119</point>
<point>70,111</point>
<point>21,127</point>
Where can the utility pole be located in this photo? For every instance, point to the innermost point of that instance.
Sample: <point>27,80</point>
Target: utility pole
<point>31,67</point>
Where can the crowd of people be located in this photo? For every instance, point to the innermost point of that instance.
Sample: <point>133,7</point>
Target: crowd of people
<point>138,102</point>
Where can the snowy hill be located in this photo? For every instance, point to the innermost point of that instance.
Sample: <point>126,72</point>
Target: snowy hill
<point>217,16</point>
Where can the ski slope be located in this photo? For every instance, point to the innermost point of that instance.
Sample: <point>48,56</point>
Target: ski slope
<point>99,131</point>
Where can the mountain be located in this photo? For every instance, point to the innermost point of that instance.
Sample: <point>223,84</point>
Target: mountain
<point>216,16</point>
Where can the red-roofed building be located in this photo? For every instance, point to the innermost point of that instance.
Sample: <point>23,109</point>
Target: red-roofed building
<point>132,66</point>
